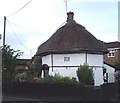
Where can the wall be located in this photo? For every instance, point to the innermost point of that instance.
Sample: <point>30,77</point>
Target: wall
<point>98,75</point>
<point>111,60</point>
<point>46,60</point>
<point>110,71</point>
<point>75,59</point>
<point>95,60</point>
<point>68,68</point>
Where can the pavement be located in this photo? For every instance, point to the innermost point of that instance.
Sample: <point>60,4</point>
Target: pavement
<point>14,98</point>
<point>8,98</point>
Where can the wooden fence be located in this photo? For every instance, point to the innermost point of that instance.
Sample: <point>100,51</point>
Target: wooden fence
<point>71,92</point>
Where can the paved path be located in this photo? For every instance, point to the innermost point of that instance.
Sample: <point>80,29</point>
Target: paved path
<point>39,100</point>
<point>13,98</point>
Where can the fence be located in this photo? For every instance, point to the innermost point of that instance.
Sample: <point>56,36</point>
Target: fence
<point>106,92</point>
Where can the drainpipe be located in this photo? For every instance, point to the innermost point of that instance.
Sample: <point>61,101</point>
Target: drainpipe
<point>86,57</point>
<point>52,61</point>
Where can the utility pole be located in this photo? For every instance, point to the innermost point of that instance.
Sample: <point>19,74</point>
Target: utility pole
<point>4,31</point>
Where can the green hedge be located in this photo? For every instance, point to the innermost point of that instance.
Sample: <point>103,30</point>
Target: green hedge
<point>58,79</point>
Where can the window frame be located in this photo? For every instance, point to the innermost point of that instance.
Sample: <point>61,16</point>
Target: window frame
<point>66,59</point>
<point>111,53</point>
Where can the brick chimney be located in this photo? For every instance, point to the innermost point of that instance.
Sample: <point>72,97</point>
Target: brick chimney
<point>70,16</point>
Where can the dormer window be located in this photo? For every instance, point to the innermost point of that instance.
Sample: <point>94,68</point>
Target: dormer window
<point>111,53</point>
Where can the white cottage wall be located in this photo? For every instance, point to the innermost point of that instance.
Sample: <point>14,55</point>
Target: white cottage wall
<point>75,59</point>
<point>64,71</point>
<point>46,60</point>
<point>67,68</point>
<point>98,75</point>
<point>110,71</point>
<point>95,59</point>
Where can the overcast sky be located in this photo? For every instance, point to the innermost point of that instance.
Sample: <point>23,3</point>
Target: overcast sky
<point>36,22</point>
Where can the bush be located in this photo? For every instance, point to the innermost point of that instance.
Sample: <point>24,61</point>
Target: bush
<point>21,77</point>
<point>116,65</point>
<point>57,79</point>
<point>85,75</point>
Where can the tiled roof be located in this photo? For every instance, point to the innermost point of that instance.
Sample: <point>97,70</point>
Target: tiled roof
<point>22,61</point>
<point>115,44</point>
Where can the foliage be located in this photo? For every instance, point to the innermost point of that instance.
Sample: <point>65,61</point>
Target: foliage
<point>32,72</point>
<point>38,65</point>
<point>34,69</point>
<point>31,69</point>
<point>85,75</point>
<point>8,62</point>
<point>116,65</point>
<point>57,79</point>
<point>21,77</point>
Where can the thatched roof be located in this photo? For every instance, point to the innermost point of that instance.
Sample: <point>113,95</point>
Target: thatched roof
<point>71,38</point>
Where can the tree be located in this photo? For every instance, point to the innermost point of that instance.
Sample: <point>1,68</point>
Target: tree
<point>117,70</point>
<point>38,64</point>
<point>116,65</point>
<point>34,69</point>
<point>8,62</point>
<point>85,75</point>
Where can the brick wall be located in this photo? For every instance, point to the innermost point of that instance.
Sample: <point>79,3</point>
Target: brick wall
<point>111,60</point>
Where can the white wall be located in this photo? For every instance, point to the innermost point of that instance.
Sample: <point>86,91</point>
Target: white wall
<point>98,75</point>
<point>110,72</point>
<point>95,60</point>
<point>75,60</point>
<point>63,71</point>
<point>46,60</point>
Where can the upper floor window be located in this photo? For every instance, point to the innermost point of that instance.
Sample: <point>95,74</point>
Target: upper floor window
<point>66,58</point>
<point>111,53</point>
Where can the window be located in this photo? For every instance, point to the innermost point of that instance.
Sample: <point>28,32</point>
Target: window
<point>66,58</point>
<point>111,53</point>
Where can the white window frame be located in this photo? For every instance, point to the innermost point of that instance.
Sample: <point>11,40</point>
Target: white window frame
<point>111,53</point>
<point>66,59</point>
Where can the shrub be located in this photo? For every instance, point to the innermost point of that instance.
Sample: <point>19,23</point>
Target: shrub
<point>57,79</point>
<point>116,65</point>
<point>21,77</point>
<point>85,75</point>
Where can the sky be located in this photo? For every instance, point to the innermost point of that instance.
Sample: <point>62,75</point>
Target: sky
<point>29,26</point>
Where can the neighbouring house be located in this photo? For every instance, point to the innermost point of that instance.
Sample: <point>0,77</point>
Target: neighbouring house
<point>114,52</point>
<point>71,46</point>
<point>21,64</point>
<point>112,57</point>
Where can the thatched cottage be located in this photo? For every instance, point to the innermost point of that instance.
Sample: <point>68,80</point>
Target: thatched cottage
<point>71,46</point>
